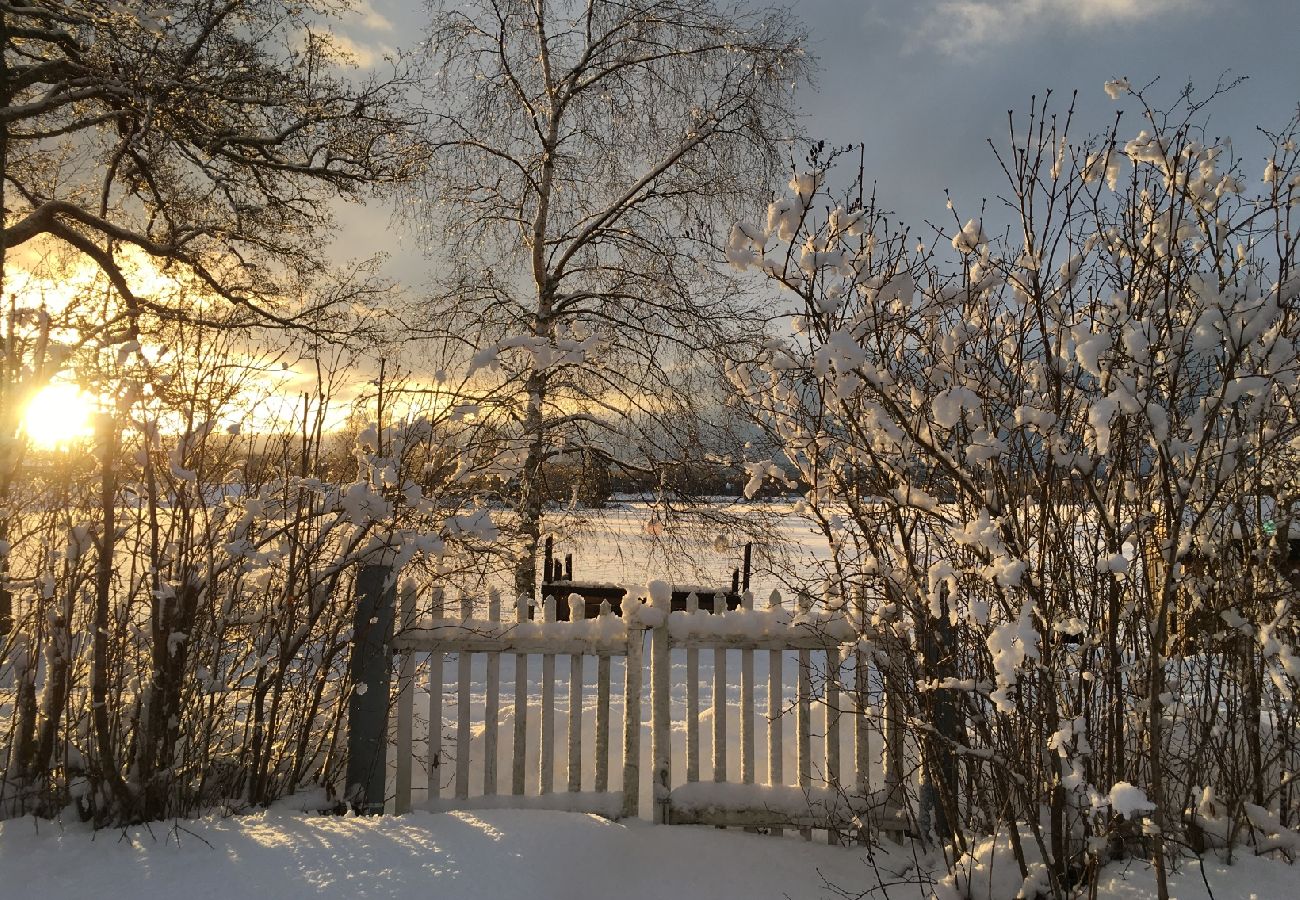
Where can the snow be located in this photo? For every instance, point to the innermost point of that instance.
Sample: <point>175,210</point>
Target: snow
<point>480,854</point>
<point>540,854</point>
<point>1127,799</point>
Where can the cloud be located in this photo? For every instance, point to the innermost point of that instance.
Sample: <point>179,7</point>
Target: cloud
<point>963,27</point>
<point>364,54</point>
<point>370,17</point>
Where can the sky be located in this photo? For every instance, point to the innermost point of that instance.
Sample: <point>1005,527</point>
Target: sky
<point>924,84</point>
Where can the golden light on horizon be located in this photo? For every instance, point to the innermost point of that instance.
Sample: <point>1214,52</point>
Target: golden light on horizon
<point>59,415</point>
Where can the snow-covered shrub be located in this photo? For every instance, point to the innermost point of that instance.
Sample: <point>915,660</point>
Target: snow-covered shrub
<point>1055,447</point>
<point>182,585</point>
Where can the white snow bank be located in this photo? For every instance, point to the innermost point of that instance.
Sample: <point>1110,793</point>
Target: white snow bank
<point>470,855</point>
<point>512,853</point>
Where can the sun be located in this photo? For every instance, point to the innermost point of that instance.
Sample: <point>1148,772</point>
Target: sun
<point>60,414</point>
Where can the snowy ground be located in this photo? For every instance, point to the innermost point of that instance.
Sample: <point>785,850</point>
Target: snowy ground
<point>540,855</point>
<point>501,854</point>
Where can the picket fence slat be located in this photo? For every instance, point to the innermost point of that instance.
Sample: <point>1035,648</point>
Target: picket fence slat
<point>803,714</point>
<point>719,710</point>
<point>463,707</point>
<point>747,704</point>
<point>692,700</point>
<point>832,727</point>
<point>603,666</point>
<point>546,758</point>
<point>775,703</point>
<point>492,704</point>
<point>519,748</point>
<point>434,764</point>
<point>632,724</point>
<point>405,707</point>
<point>577,609</point>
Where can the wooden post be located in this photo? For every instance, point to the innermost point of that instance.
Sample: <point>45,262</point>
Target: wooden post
<point>719,702</point>
<point>861,722</point>
<point>434,765</point>
<point>492,704</point>
<point>660,748</point>
<point>692,699</point>
<point>577,610</point>
<point>833,729</point>
<point>803,713</point>
<point>775,703</point>
<point>602,710</point>
<point>546,775</point>
<point>939,788</point>
<point>747,704</point>
<point>519,750</point>
<point>370,667</point>
<point>463,678</point>
<point>632,720</point>
<point>405,705</point>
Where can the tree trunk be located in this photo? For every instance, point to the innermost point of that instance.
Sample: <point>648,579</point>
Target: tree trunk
<point>106,770</point>
<point>531,490</point>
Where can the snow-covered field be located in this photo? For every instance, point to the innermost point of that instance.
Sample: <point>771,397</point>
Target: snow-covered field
<point>508,855</point>
<point>291,852</point>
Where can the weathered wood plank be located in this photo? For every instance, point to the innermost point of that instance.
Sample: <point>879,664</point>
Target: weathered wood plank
<point>492,705</point>
<point>660,730</point>
<point>405,707</point>
<point>577,609</point>
<point>775,709</point>
<point>803,715</point>
<point>747,705</point>
<point>692,701</point>
<point>632,724</point>
<point>546,761</point>
<point>463,707</point>
<point>833,729</point>
<point>720,714</point>
<point>602,715</point>
<point>519,748</point>
<point>433,765</point>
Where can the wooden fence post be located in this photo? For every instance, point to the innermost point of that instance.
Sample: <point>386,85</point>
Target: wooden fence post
<point>492,705</point>
<point>692,699</point>
<point>602,710</point>
<point>775,711</point>
<point>370,667</point>
<point>803,712</point>
<point>632,718</point>
<point>939,788</point>
<point>546,758</point>
<point>434,765</point>
<point>463,661</point>
<point>660,702</point>
<point>577,611</point>
<point>405,704</point>
<point>519,748</point>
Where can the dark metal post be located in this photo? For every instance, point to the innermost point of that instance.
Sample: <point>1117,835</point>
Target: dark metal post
<point>371,671</point>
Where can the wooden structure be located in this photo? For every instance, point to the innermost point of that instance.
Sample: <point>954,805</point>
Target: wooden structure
<point>847,799</point>
<point>558,582</point>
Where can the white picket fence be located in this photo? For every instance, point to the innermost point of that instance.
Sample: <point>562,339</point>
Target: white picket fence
<point>843,803</point>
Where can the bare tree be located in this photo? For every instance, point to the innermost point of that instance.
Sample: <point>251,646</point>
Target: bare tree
<point>584,154</point>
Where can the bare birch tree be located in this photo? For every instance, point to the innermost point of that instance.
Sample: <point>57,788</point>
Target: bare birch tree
<point>584,156</point>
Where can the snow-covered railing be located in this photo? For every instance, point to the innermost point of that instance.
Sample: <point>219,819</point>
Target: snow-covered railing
<point>839,805</point>
<point>603,637</point>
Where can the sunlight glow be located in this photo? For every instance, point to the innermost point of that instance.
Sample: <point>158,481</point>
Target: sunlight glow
<point>59,415</point>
